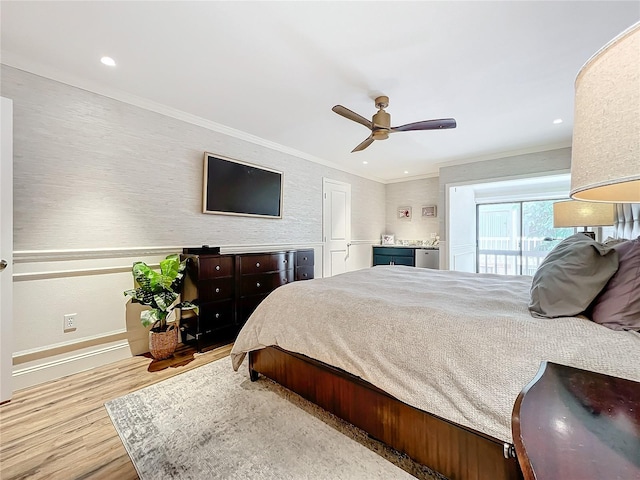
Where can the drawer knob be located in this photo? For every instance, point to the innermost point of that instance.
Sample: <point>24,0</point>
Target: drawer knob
<point>304,274</point>
<point>284,280</point>
<point>304,258</point>
<point>258,284</point>
<point>217,290</point>
<point>285,260</point>
<point>217,315</point>
<point>217,267</point>
<point>258,264</point>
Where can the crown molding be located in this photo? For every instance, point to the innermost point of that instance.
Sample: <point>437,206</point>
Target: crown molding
<point>506,154</point>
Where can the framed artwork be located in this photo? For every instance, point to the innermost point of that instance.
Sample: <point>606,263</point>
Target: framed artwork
<point>404,213</point>
<point>429,211</point>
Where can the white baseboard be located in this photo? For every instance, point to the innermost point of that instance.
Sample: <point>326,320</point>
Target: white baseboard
<point>38,373</point>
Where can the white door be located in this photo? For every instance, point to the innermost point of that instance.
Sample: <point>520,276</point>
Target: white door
<point>6,248</point>
<point>336,226</point>
<point>461,236</point>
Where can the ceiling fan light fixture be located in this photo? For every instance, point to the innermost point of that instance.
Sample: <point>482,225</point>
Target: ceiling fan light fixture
<point>380,134</point>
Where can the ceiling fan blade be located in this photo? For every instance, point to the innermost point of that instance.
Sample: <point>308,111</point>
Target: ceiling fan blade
<point>346,113</point>
<point>426,125</point>
<point>364,144</point>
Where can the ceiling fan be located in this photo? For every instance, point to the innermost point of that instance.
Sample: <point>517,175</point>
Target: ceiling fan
<point>380,124</point>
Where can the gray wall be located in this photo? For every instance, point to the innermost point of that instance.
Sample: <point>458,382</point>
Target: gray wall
<point>414,194</point>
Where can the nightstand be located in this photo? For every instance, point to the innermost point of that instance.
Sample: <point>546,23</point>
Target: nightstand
<point>575,424</point>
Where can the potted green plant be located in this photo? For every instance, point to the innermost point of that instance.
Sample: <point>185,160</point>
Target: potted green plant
<point>160,291</point>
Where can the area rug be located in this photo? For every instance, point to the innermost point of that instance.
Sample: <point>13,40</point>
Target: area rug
<point>214,423</point>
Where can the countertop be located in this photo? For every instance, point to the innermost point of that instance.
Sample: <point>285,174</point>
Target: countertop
<point>421,247</point>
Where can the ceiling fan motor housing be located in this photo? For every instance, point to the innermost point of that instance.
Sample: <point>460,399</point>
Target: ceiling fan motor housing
<point>381,124</point>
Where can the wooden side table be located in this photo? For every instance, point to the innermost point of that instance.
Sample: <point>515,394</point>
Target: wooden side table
<point>575,424</point>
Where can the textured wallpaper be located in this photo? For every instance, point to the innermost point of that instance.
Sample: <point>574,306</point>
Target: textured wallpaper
<point>415,194</point>
<point>93,172</point>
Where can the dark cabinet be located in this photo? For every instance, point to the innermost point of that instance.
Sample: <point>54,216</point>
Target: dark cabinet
<point>209,282</point>
<point>228,288</point>
<point>394,256</point>
<point>258,274</point>
<point>304,265</point>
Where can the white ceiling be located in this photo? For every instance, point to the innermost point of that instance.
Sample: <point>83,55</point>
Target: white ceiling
<point>271,71</point>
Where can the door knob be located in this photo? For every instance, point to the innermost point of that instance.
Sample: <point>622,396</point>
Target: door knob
<point>3,264</point>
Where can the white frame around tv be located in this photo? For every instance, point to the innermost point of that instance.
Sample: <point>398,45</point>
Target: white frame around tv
<point>233,160</point>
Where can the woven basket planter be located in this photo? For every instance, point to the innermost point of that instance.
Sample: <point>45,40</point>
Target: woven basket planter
<point>163,344</point>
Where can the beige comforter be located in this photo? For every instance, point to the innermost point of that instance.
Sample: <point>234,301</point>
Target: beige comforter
<point>459,345</point>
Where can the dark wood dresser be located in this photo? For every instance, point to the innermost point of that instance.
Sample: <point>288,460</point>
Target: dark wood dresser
<point>228,288</point>
<point>257,275</point>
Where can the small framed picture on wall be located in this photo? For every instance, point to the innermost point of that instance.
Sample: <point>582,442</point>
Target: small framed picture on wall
<point>429,211</point>
<point>404,213</point>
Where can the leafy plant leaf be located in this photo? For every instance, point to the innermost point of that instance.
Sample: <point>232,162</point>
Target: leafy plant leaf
<point>170,267</point>
<point>188,306</point>
<point>140,295</point>
<point>165,298</point>
<point>153,316</point>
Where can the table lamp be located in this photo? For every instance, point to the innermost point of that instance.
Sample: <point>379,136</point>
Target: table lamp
<point>605,156</point>
<point>572,213</point>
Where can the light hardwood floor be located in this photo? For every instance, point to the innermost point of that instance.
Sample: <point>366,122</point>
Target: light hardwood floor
<point>60,430</point>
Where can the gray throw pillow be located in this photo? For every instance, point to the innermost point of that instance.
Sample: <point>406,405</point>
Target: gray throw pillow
<point>571,276</point>
<point>618,305</point>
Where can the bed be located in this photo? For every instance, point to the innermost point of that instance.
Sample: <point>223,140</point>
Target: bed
<point>430,362</point>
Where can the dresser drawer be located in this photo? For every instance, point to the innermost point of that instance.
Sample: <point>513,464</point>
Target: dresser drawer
<point>304,258</point>
<point>251,264</point>
<point>215,266</point>
<point>247,305</point>
<point>215,315</point>
<point>216,289</point>
<point>258,284</point>
<point>304,273</point>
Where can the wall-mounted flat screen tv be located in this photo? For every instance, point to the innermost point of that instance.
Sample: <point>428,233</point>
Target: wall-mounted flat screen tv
<point>232,187</point>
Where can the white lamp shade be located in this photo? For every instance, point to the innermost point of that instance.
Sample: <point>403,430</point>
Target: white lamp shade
<point>605,157</point>
<point>572,213</point>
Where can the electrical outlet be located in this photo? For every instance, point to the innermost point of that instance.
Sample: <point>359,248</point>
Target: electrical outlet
<point>70,322</point>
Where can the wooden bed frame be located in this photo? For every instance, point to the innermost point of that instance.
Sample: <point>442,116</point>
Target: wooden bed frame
<point>453,450</point>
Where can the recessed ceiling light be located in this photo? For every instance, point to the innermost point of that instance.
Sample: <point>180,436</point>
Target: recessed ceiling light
<point>406,171</point>
<point>108,61</point>
<point>557,121</point>
<point>365,162</point>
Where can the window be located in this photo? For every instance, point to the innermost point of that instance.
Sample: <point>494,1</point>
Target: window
<point>513,238</point>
